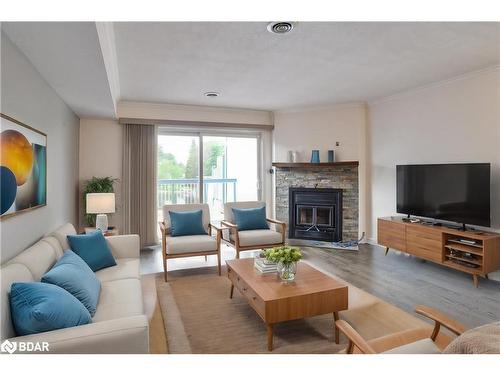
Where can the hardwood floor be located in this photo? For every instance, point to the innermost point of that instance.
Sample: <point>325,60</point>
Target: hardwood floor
<point>397,278</point>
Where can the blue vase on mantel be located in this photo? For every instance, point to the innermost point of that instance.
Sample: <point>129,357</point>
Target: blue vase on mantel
<point>315,156</point>
<point>331,156</point>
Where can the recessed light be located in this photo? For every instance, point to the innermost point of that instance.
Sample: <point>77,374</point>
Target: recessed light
<point>280,27</point>
<point>211,94</point>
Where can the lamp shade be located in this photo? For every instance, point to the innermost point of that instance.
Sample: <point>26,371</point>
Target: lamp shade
<point>100,203</point>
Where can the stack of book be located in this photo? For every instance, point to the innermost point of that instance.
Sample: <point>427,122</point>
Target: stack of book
<point>264,266</point>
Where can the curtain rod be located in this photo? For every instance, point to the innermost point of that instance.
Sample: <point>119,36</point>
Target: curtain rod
<point>197,124</point>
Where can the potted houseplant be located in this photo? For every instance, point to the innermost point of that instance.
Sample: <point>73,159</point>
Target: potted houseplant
<point>96,185</point>
<point>286,258</point>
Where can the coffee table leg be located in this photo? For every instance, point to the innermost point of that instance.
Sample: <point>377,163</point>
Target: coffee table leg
<point>337,332</point>
<point>232,290</point>
<point>270,337</point>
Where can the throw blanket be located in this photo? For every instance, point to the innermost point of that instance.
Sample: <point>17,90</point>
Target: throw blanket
<point>481,340</point>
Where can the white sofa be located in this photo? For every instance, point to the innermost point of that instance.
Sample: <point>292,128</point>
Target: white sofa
<point>119,324</point>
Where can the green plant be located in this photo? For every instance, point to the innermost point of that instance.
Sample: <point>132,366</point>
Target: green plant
<point>283,254</point>
<point>96,185</point>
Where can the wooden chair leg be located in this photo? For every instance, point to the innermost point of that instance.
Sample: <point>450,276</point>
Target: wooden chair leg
<point>337,331</point>
<point>231,292</point>
<point>218,262</point>
<point>165,268</point>
<point>237,253</point>
<point>386,250</point>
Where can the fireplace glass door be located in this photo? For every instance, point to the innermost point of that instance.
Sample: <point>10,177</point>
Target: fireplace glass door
<point>314,215</point>
<point>305,215</point>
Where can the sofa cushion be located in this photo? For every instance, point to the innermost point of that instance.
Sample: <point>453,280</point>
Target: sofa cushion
<point>74,275</point>
<point>191,244</point>
<point>250,218</point>
<point>37,258</point>
<point>62,233</point>
<point>55,244</point>
<point>119,298</point>
<point>40,307</point>
<point>93,249</point>
<point>258,237</point>
<point>187,223</point>
<point>126,268</point>
<point>425,346</point>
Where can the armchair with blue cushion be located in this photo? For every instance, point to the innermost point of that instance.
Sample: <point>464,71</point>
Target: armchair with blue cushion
<point>186,232</point>
<point>249,227</point>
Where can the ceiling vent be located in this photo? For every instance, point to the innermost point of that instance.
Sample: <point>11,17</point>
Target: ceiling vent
<point>280,27</point>
<point>211,94</point>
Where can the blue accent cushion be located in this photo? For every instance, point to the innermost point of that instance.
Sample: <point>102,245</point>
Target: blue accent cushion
<point>93,249</point>
<point>40,307</point>
<point>250,218</point>
<point>74,275</point>
<point>186,223</point>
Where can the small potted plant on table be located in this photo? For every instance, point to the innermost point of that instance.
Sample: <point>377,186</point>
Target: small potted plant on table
<point>286,257</point>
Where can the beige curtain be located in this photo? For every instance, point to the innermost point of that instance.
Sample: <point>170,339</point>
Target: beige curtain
<point>139,182</point>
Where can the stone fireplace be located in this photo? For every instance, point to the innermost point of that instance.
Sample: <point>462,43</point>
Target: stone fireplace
<point>318,201</point>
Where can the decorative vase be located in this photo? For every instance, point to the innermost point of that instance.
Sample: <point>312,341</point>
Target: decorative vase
<point>287,271</point>
<point>331,156</point>
<point>315,156</point>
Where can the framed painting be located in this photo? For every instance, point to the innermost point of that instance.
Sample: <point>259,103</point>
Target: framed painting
<point>23,167</point>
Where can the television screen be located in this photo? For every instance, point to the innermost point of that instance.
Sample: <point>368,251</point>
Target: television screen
<point>451,192</point>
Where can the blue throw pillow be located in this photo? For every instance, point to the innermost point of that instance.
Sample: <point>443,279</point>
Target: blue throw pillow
<point>93,249</point>
<point>250,218</point>
<point>40,307</point>
<point>187,223</point>
<point>74,275</point>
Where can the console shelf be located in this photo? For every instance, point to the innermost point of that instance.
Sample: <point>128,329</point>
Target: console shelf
<point>443,245</point>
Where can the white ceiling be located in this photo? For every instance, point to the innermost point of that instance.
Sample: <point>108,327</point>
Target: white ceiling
<point>315,64</point>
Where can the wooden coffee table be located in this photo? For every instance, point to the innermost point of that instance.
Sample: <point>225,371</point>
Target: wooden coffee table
<point>312,293</point>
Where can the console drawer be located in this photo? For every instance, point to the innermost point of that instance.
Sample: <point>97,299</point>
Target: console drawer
<point>424,243</point>
<point>391,234</point>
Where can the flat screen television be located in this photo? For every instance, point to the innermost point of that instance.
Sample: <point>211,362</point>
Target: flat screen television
<point>451,192</point>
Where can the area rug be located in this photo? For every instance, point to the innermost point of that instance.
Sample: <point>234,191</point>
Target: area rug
<point>200,317</point>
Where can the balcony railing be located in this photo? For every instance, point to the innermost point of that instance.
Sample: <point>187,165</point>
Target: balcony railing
<point>216,191</point>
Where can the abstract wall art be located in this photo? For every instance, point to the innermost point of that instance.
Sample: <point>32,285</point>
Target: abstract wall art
<point>23,167</point>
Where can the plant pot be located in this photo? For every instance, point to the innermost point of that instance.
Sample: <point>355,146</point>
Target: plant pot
<point>287,271</point>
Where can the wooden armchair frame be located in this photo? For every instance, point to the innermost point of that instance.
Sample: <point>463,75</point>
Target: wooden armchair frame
<point>355,339</point>
<point>164,248</point>
<point>233,229</point>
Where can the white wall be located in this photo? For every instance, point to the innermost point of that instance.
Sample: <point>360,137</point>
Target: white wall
<point>320,128</point>
<point>26,97</point>
<point>454,121</point>
<point>101,143</point>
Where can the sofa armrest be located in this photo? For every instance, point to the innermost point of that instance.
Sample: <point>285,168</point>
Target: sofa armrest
<point>125,246</point>
<point>124,335</point>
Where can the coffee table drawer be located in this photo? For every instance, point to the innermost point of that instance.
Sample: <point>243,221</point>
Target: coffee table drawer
<point>252,297</point>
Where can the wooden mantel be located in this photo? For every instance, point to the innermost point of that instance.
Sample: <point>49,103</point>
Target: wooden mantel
<point>316,165</point>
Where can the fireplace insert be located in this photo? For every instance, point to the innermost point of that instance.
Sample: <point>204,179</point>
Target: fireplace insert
<point>315,214</point>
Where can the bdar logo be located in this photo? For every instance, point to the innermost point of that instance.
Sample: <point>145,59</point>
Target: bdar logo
<point>8,347</point>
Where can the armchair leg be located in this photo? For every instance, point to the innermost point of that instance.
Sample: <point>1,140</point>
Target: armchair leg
<point>165,268</point>
<point>237,253</point>
<point>218,262</point>
<point>231,292</point>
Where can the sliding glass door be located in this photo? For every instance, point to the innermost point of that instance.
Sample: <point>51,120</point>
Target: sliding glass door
<point>207,167</point>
